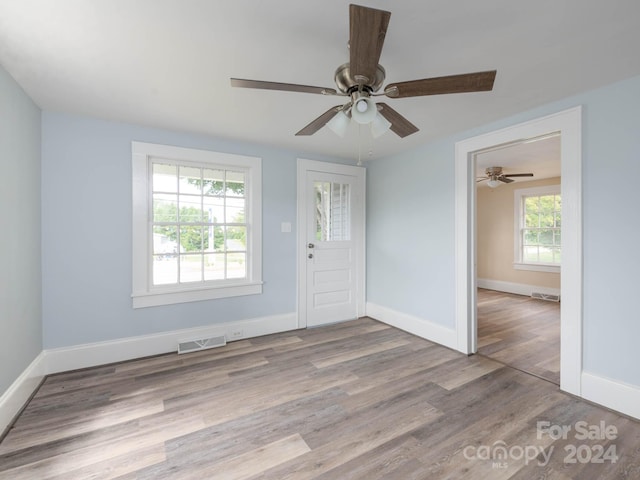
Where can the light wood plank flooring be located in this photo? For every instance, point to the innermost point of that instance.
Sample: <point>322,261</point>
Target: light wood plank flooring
<point>357,400</point>
<point>522,332</point>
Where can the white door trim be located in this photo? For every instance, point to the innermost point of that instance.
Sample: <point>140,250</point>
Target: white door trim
<point>569,124</point>
<point>305,166</point>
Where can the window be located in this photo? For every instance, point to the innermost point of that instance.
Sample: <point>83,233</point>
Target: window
<point>196,225</point>
<point>538,220</point>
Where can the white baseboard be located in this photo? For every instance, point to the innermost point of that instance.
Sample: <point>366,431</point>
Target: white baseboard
<point>415,325</point>
<point>612,394</point>
<point>16,396</point>
<point>101,353</point>
<point>516,288</point>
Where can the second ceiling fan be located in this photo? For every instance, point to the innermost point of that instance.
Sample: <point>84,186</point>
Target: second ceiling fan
<point>494,176</point>
<point>362,77</point>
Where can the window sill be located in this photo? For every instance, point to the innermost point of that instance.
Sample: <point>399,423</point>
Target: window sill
<point>154,299</point>
<point>537,267</point>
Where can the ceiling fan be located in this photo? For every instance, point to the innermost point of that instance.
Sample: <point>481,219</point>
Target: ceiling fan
<point>362,77</point>
<point>494,176</point>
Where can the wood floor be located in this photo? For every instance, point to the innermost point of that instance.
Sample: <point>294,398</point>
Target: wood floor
<point>521,332</point>
<point>358,400</point>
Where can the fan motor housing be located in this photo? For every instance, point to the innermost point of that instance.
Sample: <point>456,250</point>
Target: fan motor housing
<point>346,83</point>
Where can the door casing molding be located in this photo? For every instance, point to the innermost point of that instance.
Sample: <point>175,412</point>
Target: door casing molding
<point>569,124</point>
<point>304,166</point>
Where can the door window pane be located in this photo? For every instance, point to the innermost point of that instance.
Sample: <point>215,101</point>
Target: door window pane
<point>332,211</point>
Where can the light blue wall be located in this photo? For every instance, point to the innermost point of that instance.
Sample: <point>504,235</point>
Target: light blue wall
<point>86,192</point>
<point>410,234</point>
<point>20,287</point>
<point>410,249</point>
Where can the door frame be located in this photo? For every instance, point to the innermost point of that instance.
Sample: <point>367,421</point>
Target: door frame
<point>569,124</point>
<point>304,166</point>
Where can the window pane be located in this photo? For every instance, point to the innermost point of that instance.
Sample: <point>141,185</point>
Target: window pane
<point>165,239</point>
<point>191,239</point>
<point>165,208</point>
<point>531,217</point>
<point>190,268</point>
<point>546,237</point>
<point>235,183</point>
<point>235,210</point>
<point>214,266</point>
<point>218,239</point>
<point>547,220</point>
<point>236,239</point>
<point>531,204</point>
<point>165,269</point>
<point>545,255</point>
<point>213,209</point>
<point>558,200</point>
<point>530,254</point>
<point>165,178</point>
<point>190,181</point>
<point>190,208</point>
<point>557,240</point>
<point>530,237</point>
<point>547,203</point>
<point>558,219</point>
<point>236,265</point>
<point>213,182</point>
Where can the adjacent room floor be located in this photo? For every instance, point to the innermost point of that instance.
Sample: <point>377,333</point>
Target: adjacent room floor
<point>522,332</point>
<point>357,400</point>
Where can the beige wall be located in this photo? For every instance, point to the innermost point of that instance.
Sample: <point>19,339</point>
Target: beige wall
<point>496,236</point>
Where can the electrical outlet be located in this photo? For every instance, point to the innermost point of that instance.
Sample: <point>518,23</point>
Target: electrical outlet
<point>237,333</point>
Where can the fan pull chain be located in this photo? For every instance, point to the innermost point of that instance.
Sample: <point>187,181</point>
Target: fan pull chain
<point>359,145</point>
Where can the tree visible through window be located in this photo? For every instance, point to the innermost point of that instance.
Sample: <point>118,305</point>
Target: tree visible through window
<point>199,229</point>
<point>541,229</point>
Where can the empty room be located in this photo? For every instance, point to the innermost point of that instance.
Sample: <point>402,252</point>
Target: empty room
<point>277,240</point>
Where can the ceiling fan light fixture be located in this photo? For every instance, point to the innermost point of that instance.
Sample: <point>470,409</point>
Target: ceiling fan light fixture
<point>493,183</point>
<point>364,110</point>
<point>379,125</point>
<point>339,123</point>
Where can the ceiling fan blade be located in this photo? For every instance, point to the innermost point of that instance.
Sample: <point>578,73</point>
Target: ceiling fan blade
<point>518,175</point>
<point>504,179</point>
<point>399,125</point>
<point>286,87</point>
<point>466,82</point>
<point>481,179</point>
<point>367,29</point>
<point>320,122</point>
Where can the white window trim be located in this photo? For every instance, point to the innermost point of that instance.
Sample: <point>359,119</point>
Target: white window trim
<point>143,295</point>
<point>518,264</point>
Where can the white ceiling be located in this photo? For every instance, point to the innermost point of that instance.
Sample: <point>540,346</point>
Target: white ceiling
<point>538,156</point>
<point>167,63</point>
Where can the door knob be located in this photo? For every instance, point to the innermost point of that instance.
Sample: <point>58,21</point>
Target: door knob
<point>310,255</point>
<point>311,245</point>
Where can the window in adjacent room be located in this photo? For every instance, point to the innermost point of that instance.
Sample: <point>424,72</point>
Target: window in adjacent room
<point>538,220</point>
<point>196,225</point>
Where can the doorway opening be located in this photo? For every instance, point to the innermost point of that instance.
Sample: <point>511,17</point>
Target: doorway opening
<point>519,253</point>
<point>568,125</point>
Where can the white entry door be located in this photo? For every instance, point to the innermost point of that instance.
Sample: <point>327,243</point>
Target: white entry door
<point>331,243</point>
